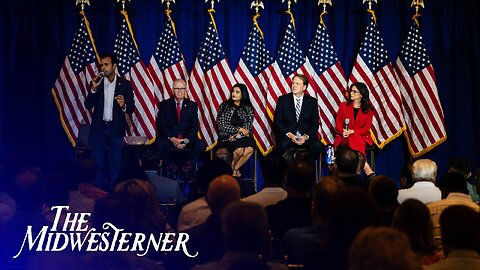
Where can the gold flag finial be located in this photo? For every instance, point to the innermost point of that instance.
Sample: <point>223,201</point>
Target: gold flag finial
<point>212,3</point>
<point>168,3</point>
<point>289,4</point>
<point>324,2</point>
<point>257,4</point>
<point>370,3</point>
<point>82,3</point>
<point>417,4</point>
<point>123,3</point>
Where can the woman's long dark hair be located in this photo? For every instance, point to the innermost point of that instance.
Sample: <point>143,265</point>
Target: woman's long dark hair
<point>365,101</point>
<point>245,100</point>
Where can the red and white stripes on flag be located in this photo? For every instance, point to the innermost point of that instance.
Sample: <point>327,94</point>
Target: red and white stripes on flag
<point>373,67</point>
<point>167,63</point>
<point>71,86</point>
<point>210,82</point>
<point>421,105</point>
<point>328,81</point>
<point>133,69</point>
<point>256,70</point>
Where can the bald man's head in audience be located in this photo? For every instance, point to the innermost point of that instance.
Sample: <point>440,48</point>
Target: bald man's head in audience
<point>222,190</point>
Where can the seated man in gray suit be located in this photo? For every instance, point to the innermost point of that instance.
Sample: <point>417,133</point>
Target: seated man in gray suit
<point>168,190</point>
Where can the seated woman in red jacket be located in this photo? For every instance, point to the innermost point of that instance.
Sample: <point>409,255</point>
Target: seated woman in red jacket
<point>354,119</point>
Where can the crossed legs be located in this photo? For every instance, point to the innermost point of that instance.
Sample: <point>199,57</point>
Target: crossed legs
<point>240,156</point>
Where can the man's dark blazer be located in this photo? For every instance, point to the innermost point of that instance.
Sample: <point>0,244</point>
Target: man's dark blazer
<point>96,101</point>
<point>285,120</point>
<point>167,120</point>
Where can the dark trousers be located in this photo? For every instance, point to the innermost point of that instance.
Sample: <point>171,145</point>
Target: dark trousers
<point>98,144</point>
<point>312,145</point>
<point>189,154</point>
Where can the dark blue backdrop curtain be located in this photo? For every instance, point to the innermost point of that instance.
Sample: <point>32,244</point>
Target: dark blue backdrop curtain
<point>37,35</point>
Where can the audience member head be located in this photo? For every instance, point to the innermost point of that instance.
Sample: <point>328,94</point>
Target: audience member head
<point>224,154</point>
<point>66,169</point>
<point>384,191</point>
<point>322,197</point>
<point>273,168</point>
<point>140,199</point>
<point>351,210</point>
<point>346,162</point>
<point>87,171</point>
<point>424,170</point>
<point>382,248</point>
<point>453,182</point>
<point>245,227</point>
<point>406,178</point>
<point>28,189</point>
<point>56,190</point>
<point>150,160</point>
<point>209,171</point>
<point>110,209</point>
<point>299,178</point>
<point>413,218</point>
<point>223,190</point>
<point>459,225</point>
<point>460,165</point>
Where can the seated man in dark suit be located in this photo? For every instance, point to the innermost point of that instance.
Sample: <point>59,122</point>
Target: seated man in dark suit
<point>177,128</point>
<point>296,120</point>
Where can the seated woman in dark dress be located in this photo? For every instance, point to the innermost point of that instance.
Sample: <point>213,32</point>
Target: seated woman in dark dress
<point>234,120</point>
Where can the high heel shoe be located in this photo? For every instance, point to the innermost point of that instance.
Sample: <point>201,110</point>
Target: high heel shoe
<point>236,173</point>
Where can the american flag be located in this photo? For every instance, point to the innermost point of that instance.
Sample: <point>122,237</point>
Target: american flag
<point>421,105</point>
<point>373,67</point>
<point>71,86</point>
<point>133,69</point>
<point>328,81</point>
<point>256,69</point>
<point>210,83</point>
<point>167,63</point>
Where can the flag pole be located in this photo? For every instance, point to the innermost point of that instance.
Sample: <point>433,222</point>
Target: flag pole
<point>82,4</point>
<point>257,4</point>
<point>324,12</point>
<point>417,4</point>
<point>123,3</point>
<point>289,12</point>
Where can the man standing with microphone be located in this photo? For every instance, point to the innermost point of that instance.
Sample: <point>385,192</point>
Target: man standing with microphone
<point>110,97</point>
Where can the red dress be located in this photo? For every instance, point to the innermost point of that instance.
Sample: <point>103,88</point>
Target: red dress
<point>361,126</point>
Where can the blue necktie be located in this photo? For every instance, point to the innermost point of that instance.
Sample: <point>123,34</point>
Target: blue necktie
<point>297,108</point>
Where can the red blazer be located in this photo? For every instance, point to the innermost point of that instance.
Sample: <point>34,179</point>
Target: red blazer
<point>361,126</point>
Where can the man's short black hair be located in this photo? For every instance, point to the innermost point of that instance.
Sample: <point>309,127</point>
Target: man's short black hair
<point>346,160</point>
<point>112,56</point>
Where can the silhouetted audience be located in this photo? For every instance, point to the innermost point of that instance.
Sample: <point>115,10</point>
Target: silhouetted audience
<point>168,190</point>
<point>454,186</point>
<point>351,210</point>
<point>273,168</point>
<point>245,230</point>
<point>384,191</point>
<point>294,211</point>
<point>87,172</point>
<point>345,168</point>
<point>461,239</point>
<point>207,238</point>
<point>196,212</point>
<point>382,248</point>
<point>413,218</point>
<point>309,241</point>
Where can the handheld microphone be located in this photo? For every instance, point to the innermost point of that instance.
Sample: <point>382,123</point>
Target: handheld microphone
<point>99,76</point>
<point>347,121</point>
<point>185,141</point>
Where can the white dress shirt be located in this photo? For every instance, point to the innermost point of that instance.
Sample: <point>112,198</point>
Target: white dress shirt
<point>108,95</point>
